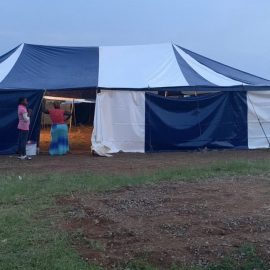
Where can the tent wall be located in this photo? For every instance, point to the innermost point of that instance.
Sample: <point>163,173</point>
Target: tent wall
<point>144,122</point>
<point>214,121</point>
<point>119,123</point>
<point>9,118</point>
<point>258,119</point>
<point>132,121</point>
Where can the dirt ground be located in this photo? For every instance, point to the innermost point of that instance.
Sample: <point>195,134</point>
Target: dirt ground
<point>123,163</point>
<point>81,160</point>
<point>168,223</point>
<point>171,223</point>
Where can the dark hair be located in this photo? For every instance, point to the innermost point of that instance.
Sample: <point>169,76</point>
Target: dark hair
<point>21,99</point>
<point>56,104</point>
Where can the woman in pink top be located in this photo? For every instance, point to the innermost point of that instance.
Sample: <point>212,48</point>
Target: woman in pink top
<point>23,127</point>
<point>59,131</point>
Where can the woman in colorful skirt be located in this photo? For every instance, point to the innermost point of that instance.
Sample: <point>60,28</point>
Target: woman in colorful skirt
<point>59,130</point>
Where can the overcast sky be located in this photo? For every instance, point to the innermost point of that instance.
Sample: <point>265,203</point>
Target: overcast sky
<point>235,32</point>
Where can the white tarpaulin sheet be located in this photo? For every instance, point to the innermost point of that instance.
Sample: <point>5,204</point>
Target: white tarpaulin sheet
<point>119,123</point>
<point>139,66</point>
<point>258,119</point>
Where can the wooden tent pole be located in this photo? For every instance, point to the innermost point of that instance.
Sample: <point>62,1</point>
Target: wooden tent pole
<point>70,121</point>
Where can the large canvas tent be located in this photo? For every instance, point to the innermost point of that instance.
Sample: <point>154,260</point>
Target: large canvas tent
<point>128,117</point>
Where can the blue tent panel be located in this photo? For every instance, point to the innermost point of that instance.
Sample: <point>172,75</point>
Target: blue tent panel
<point>46,67</point>
<point>213,121</point>
<point>9,118</point>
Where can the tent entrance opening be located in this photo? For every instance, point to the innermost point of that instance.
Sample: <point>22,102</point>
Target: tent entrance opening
<point>80,124</point>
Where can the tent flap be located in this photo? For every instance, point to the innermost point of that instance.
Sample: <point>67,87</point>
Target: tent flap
<point>212,121</point>
<point>119,123</point>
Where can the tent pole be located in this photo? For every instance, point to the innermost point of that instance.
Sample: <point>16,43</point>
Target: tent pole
<point>39,107</point>
<point>70,121</point>
<point>34,123</point>
<point>74,112</point>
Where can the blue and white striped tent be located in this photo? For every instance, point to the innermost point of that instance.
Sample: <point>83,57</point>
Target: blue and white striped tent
<point>235,115</point>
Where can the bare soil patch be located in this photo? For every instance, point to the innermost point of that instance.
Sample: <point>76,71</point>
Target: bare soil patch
<point>124,163</point>
<point>171,223</point>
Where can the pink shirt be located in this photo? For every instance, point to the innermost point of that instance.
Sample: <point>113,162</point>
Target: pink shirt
<point>23,124</point>
<point>57,116</point>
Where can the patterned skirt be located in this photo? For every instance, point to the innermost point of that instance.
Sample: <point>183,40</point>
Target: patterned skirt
<point>59,140</point>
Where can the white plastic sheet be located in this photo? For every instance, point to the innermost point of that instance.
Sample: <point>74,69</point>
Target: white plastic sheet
<point>119,123</point>
<point>258,119</point>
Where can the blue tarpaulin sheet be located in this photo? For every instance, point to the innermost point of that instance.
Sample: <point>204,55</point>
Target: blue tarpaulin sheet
<point>213,121</point>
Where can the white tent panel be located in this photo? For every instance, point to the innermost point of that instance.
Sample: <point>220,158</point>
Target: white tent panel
<point>258,119</point>
<point>119,123</point>
<point>207,73</point>
<point>139,66</point>
<point>7,65</point>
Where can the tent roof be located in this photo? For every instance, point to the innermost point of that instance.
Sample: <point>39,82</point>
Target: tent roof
<point>47,67</point>
<point>119,67</point>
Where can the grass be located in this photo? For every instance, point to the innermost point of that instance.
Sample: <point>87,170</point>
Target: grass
<point>248,260</point>
<point>29,240</point>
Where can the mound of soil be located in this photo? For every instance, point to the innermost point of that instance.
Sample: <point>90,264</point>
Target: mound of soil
<point>171,223</point>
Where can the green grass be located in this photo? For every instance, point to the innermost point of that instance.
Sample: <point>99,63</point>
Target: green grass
<point>29,238</point>
<point>248,260</point>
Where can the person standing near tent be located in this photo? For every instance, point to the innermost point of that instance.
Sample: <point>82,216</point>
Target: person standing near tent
<point>59,130</point>
<point>23,127</point>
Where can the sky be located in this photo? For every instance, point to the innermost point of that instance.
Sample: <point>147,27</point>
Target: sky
<point>234,32</point>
